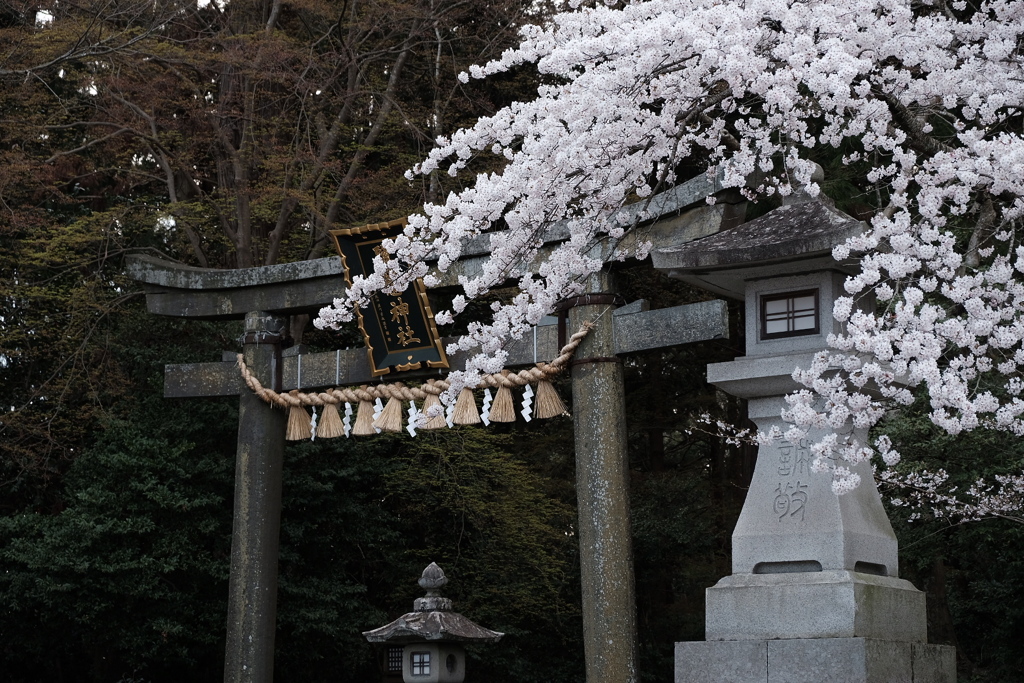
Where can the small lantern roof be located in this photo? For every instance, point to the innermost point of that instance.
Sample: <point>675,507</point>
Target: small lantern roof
<point>796,237</point>
<point>432,618</point>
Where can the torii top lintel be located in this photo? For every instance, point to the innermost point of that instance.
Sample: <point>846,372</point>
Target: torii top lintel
<point>183,291</point>
<point>677,215</point>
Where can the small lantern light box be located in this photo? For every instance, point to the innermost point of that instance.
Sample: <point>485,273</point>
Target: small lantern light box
<point>432,635</point>
<point>791,311</point>
<point>781,267</point>
<point>399,328</point>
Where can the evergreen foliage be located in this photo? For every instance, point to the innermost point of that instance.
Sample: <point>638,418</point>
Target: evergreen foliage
<point>972,571</point>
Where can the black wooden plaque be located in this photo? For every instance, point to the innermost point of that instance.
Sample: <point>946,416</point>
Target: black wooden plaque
<point>399,329</point>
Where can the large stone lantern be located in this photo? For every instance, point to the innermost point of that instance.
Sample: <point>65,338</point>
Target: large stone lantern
<point>432,635</point>
<point>815,594</point>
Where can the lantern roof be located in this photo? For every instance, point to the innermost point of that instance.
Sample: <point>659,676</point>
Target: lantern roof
<point>796,237</point>
<point>432,618</point>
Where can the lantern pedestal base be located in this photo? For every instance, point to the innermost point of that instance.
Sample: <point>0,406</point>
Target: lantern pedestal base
<point>814,660</point>
<point>815,605</point>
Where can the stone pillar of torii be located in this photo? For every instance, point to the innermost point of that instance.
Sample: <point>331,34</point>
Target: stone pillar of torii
<point>265,297</point>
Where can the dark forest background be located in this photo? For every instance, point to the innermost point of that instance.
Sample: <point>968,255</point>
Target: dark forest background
<point>234,136</point>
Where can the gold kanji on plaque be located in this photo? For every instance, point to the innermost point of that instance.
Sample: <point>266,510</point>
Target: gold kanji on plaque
<point>399,328</point>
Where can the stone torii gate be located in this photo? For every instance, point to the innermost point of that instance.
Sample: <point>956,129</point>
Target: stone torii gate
<point>264,296</point>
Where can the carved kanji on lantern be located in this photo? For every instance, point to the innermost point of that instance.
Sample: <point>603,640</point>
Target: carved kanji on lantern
<point>399,328</point>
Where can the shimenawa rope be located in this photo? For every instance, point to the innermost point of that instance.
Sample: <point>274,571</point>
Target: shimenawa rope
<point>390,418</point>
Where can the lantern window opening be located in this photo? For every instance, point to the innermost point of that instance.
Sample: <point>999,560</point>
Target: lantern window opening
<point>395,659</point>
<point>420,662</point>
<point>790,314</point>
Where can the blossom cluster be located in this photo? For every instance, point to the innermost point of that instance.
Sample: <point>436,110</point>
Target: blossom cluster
<point>729,433</point>
<point>929,494</point>
<point>928,95</point>
<point>924,494</point>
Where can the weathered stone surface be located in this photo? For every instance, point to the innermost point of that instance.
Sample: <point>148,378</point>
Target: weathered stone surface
<point>787,233</point>
<point>934,663</point>
<point>332,368</point>
<point>669,219</point>
<point>666,327</point>
<point>177,290</point>
<point>638,306</point>
<point>540,344</point>
<point>307,296</point>
<point>730,260</point>
<point>602,490</point>
<point>756,376</point>
<point>818,660</point>
<point>665,206</point>
<point>184,291</point>
<point>791,515</point>
<point>744,661</point>
<point>677,198</point>
<point>822,604</point>
<point>172,275</point>
<point>839,660</point>
<point>434,632</point>
<point>432,618</point>
<point>828,283</point>
<point>252,588</point>
<point>202,379</point>
<point>675,226</point>
<point>432,625</point>
<point>448,663</point>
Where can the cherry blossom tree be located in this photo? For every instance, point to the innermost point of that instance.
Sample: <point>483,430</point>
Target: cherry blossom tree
<point>923,98</point>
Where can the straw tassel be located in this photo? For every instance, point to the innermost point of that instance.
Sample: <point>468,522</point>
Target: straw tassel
<point>298,424</point>
<point>549,403</point>
<point>330,425</point>
<point>364,420</point>
<point>390,419</point>
<point>465,409</point>
<point>503,409</point>
<point>437,422</point>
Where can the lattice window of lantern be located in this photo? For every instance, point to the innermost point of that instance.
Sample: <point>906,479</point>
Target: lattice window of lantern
<point>395,659</point>
<point>420,663</point>
<point>789,314</point>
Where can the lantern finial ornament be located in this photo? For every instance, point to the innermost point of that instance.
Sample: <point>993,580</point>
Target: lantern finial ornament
<point>433,578</point>
<point>432,635</point>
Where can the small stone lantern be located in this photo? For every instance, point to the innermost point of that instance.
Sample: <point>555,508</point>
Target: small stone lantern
<point>433,635</point>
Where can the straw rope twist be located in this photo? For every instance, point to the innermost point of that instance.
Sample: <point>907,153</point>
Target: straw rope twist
<point>295,398</point>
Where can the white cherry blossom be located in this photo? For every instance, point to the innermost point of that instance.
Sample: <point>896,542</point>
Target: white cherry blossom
<point>925,97</point>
